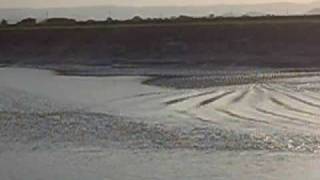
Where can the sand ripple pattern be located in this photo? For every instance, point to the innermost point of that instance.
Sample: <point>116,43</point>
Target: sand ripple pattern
<point>281,106</point>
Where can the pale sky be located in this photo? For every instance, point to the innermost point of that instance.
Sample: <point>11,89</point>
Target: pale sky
<point>68,3</point>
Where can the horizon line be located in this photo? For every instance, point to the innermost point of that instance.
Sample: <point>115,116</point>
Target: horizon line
<point>163,6</point>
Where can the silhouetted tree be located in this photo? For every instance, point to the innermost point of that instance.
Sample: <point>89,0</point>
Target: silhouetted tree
<point>184,18</point>
<point>90,22</point>
<point>109,20</point>
<point>211,16</point>
<point>27,22</point>
<point>4,22</point>
<point>137,19</point>
<point>59,21</point>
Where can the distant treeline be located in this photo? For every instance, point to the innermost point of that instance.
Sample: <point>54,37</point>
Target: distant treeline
<point>140,20</point>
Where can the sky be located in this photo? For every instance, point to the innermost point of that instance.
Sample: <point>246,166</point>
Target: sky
<point>73,3</point>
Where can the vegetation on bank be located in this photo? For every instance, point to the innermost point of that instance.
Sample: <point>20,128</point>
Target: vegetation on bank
<point>32,22</point>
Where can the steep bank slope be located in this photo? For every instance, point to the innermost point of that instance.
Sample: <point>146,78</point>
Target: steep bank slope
<point>286,44</point>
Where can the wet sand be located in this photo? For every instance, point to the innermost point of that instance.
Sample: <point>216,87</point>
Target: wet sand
<point>110,164</point>
<point>116,127</point>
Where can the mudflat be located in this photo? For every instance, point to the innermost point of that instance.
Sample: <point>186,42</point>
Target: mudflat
<point>101,126</point>
<point>265,42</point>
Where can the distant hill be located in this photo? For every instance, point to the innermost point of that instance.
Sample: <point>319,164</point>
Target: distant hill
<point>122,12</point>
